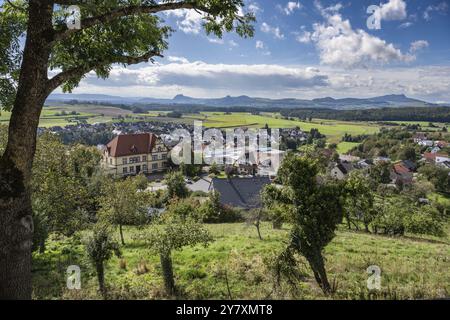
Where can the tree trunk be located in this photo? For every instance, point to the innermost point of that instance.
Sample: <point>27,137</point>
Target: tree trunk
<point>258,228</point>
<point>167,270</point>
<point>101,279</point>
<point>16,222</point>
<point>320,274</point>
<point>121,234</point>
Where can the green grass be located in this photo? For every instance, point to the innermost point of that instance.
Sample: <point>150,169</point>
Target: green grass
<point>411,268</point>
<point>345,147</point>
<point>334,130</point>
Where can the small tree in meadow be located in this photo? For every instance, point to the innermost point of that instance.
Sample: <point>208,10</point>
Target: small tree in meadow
<point>316,211</point>
<point>171,233</point>
<point>100,247</point>
<point>123,204</point>
<point>176,185</point>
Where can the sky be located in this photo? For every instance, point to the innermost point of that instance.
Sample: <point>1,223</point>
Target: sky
<point>301,49</point>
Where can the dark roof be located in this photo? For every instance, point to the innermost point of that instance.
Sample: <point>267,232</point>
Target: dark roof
<point>131,144</point>
<point>409,164</point>
<point>240,192</point>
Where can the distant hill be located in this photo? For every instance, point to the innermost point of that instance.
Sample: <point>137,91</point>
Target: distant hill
<point>388,101</point>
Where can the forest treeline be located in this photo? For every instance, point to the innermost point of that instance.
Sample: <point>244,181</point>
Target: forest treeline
<point>431,114</point>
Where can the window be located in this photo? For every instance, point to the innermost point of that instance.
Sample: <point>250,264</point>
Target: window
<point>164,156</point>
<point>155,166</point>
<point>155,158</point>
<point>144,158</point>
<point>159,149</point>
<point>145,168</point>
<point>110,161</point>
<point>131,169</point>
<point>135,160</point>
<point>124,161</point>
<point>125,170</point>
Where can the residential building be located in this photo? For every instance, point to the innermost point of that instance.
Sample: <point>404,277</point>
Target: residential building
<point>132,154</point>
<point>242,193</point>
<point>401,174</point>
<point>341,170</point>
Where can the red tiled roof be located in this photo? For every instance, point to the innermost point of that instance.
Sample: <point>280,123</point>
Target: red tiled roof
<point>401,169</point>
<point>132,144</point>
<point>430,156</point>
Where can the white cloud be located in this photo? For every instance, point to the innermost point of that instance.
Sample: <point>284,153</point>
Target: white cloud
<point>216,40</point>
<point>266,28</point>
<point>233,43</point>
<point>188,21</point>
<point>392,10</point>
<point>262,47</point>
<point>290,7</point>
<point>406,25</point>
<point>304,37</point>
<point>177,59</point>
<point>200,75</point>
<point>339,44</point>
<point>254,7</point>
<point>199,79</point>
<point>441,8</point>
<point>418,45</point>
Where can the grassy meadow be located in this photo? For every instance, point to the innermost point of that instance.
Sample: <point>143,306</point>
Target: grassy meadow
<point>412,268</point>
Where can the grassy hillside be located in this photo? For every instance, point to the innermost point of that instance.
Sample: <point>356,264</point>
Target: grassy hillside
<point>411,268</point>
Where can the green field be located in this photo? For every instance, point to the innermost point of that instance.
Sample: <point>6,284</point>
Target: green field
<point>334,130</point>
<point>411,268</point>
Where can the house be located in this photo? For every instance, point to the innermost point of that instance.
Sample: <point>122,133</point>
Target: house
<point>442,158</point>
<point>364,164</point>
<point>411,166</point>
<point>242,193</point>
<point>435,150</point>
<point>341,170</point>
<point>135,153</point>
<point>401,174</point>
<point>349,158</point>
<point>426,143</point>
<point>420,137</point>
<point>381,160</point>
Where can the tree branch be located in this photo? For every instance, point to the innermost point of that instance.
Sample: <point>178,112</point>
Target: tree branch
<point>79,71</point>
<point>123,12</point>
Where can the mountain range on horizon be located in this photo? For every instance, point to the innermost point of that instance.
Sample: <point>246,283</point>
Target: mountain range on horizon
<point>387,101</point>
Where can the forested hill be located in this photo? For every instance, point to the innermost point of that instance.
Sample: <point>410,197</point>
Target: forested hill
<point>432,114</point>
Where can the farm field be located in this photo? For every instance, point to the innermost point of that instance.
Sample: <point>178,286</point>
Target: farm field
<point>334,130</point>
<point>411,267</point>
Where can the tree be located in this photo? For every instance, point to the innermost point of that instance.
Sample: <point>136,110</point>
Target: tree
<point>359,204</point>
<point>214,169</point>
<point>100,247</point>
<point>176,186</point>
<point>381,173</point>
<point>314,221</point>
<point>112,32</point>
<point>123,204</point>
<point>172,233</point>
<point>255,217</point>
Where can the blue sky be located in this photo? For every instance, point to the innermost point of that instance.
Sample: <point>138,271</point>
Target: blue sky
<point>302,49</point>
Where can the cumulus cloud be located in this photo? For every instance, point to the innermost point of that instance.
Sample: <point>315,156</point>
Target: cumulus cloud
<point>339,44</point>
<point>289,8</point>
<point>188,21</point>
<point>392,10</point>
<point>441,8</point>
<point>275,31</point>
